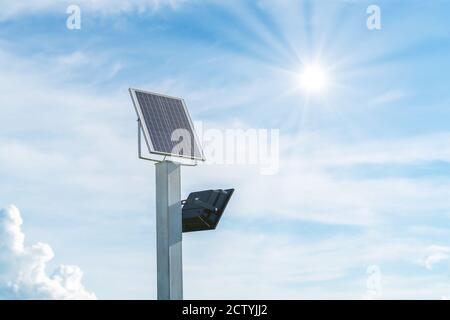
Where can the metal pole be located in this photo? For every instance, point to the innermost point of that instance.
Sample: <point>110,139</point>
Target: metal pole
<point>169,231</point>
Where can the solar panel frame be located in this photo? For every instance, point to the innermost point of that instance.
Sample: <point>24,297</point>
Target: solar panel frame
<point>146,131</point>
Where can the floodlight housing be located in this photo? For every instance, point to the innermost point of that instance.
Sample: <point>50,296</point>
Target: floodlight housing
<point>202,210</point>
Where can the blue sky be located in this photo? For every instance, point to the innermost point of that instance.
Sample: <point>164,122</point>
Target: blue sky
<point>364,166</point>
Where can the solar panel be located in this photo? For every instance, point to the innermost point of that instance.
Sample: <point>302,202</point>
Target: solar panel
<point>167,126</point>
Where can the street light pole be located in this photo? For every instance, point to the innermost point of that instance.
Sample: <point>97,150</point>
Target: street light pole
<point>169,231</point>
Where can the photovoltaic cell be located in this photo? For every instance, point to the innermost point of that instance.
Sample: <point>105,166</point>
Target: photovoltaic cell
<point>168,125</point>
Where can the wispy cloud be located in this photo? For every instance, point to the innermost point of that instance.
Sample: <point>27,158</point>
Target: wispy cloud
<point>76,58</point>
<point>436,255</point>
<point>276,265</point>
<point>389,97</point>
<point>328,151</point>
<point>67,133</point>
<point>13,9</point>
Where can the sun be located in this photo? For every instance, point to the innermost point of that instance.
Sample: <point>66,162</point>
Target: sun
<point>313,78</point>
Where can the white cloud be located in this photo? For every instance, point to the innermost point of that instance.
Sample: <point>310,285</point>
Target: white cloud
<point>73,59</point>
<point>305,189</point>
<point>328,151</point>
<point>74,64</point>
<point>275,265</point>
<point>12,9</point>
<point>23,272</point>
<point>398,286</point>
<point>436,255</point>
<point>389,97</point>
<point>81,159</point>
<point>77,137</point>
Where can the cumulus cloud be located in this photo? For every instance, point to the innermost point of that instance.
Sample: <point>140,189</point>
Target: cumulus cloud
<point>23,272</point>
<point>437,254</point>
